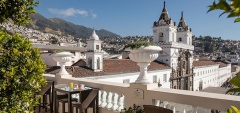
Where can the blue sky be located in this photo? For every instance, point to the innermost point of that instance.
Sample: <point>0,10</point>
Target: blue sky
<point>136,17</point>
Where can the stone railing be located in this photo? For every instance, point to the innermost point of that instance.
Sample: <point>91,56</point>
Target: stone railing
<point>113,97</point>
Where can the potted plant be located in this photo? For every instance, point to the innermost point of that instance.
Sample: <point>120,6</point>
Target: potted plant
<point>143,53</point>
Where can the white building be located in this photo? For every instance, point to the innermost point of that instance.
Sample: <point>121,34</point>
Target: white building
<point>174,67</point>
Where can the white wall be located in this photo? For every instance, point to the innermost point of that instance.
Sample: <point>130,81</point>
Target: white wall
<point>212,76</point>
<point>132,77</point>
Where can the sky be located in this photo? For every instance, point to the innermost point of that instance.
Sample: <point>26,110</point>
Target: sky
<point>136,17</point>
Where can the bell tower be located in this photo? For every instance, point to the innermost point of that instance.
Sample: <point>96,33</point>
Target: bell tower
<point>184,33</point>
<point>94,54</point>
<point>164,30</point>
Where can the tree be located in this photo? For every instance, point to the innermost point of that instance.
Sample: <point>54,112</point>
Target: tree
<point>16,10</point>
<point>21,69</point>
<point>53,40</point>
<point>21,66</point>
<point>232,8</point>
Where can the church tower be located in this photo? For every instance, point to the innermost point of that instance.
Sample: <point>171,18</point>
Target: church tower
<point>177,49</point>
<point>94,54</point>
<point>184,33</point>
<point>164,30</point>
<point>164,33</point>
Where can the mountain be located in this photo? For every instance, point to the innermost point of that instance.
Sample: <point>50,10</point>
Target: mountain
<point>61,27</point>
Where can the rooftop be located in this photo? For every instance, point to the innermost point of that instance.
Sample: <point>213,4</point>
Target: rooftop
<point>110,66</point>
<point>209,62</point>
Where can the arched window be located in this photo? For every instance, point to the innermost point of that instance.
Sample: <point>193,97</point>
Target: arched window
<point>179,39</point>
<point>90,62</point>
<point>160,37</point>
<point>98,63</point>
<point>200,85</point>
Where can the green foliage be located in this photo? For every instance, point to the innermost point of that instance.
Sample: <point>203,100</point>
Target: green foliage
<point>21,69</point>
<point>232,8</point>
<point>233,108</point>
<point>134,109</point>
<point>236,82</point>
<point>53,40</point>
<point>17,10</point>
<point>56,51</point>
<point>138,44</point>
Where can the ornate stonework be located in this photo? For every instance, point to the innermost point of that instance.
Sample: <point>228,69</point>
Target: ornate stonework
<point>182,76</point>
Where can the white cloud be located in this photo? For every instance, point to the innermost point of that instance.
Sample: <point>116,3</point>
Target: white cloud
<point>71,12</point>
<point>94,15</point>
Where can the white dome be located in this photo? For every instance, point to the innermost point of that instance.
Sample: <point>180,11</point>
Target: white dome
<point>94,36</point>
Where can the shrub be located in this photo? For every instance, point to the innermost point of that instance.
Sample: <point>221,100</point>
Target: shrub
<point>138,44</point>
<point>21,69</point>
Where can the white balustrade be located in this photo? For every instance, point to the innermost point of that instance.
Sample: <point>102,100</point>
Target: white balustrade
<point>99,97</point>
<point>157,102</point>
<point>109,100</point>
<point>115,102</point>
<point>121,103</point>
<point>112,97</point>
<point>104,99</point>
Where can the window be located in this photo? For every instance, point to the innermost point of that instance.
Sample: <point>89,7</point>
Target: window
<point>126,81</point>
<point>90,62</point>
<point>165,78</point>
<point>160,34</point>
<point>180,39</point>
<point>97,47</point>
<point>155,79</point>
<point>160,37</point>
<point>98,63</point>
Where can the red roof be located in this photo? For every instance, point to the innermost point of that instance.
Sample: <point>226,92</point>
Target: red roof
<point>110,66</point>
<point>209,62</point>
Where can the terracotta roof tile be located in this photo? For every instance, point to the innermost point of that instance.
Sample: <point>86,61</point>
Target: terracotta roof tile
<point>209,62</point>
<point>110,66</point>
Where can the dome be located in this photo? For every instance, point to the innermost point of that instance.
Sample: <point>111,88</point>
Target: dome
<point>94,36</point>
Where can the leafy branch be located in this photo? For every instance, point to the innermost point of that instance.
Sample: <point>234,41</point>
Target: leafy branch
<point>231,8</point>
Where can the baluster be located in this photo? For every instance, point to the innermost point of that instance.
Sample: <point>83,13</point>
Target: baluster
<point>104,99</point>
<point>174,110</point>
<point>121,103</point>
<point>188,108</point>
<point>109,100</point>
<point>99,97</point>
<point>157,102</point>
<point>184,111</point>
<point>194,109</point>
<point>115,102</point>
<point>165,103</point>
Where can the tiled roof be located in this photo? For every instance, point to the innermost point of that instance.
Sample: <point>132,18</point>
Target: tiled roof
<point>209,62</point>
<point>110,66</point>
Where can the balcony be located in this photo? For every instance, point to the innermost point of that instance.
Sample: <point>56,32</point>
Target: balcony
<point>113,97</point>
